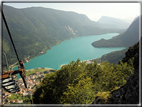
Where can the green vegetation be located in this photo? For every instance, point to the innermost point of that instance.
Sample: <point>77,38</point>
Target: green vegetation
<point>78,82</point>
<point>33,71</point>
<point>132,59</point>
<point>113,57</point>
<point>81,83</point>
<point>132,56</point>
<point>26,99</point>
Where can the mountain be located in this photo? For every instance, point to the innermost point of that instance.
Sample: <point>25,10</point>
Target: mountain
<point>110,22</point>
<point>36,29</point>
<point>112,57</point>
<point>126,39</point>
<point>128,93</point>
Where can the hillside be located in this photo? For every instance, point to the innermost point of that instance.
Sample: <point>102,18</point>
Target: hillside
<point>126,39</point>
<point>35,30</point>
<point>81,83</point>
<point>128,93</point>
<point>112,57</point>
<point>111,22</point>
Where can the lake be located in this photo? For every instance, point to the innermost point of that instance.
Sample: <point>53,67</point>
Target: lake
<point>72,49</point>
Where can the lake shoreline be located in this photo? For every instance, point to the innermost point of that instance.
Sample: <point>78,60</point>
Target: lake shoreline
<point>71,50</point>
<point>32,71</point>
<point>41,68</point>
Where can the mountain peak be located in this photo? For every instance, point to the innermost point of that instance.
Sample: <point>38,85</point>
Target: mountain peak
<point>113,22</point>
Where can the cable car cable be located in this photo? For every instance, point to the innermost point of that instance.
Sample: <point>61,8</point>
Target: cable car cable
<point>3,17</point>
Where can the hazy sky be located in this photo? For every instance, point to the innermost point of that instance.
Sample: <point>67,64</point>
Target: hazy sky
<point>94,11</point>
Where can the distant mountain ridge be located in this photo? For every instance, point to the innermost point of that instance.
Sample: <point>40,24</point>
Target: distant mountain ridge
<point>126,39</point>
<point>111,22</point>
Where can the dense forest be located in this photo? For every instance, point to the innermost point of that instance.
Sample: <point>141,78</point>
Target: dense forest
<point>80,83</point>
<point>125,39</point>
<point>35,30</point>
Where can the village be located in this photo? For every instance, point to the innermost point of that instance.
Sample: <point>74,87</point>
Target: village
<point>33,81</point>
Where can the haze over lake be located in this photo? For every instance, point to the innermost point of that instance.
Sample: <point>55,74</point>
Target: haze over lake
<point>70,50</point>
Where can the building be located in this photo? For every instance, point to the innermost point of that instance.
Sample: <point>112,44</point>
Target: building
<point>20,101</point>
<point>12,101</point>
<point>25,93</point>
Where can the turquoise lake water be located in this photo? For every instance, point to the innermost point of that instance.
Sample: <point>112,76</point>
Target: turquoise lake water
<point>72,49</point>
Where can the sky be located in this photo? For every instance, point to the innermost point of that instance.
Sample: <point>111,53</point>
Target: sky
<point>93,11</point>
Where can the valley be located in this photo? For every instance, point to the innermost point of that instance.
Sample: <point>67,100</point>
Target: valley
<point>71,59</point>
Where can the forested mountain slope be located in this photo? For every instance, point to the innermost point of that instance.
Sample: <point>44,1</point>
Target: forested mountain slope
<point>126,39</point>
<point>128,93</point>
<point>81,83</point>
<point>112,57</point>
<point>36,29</point>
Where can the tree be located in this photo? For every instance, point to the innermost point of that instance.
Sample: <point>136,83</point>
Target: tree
<point>80,93</point>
